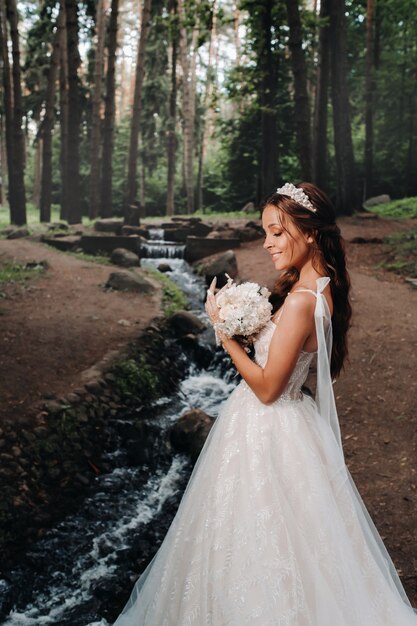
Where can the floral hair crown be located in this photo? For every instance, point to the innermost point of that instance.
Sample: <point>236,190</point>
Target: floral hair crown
<point>298,195</point>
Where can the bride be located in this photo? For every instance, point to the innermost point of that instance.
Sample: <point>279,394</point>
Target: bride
<point>271,530</point>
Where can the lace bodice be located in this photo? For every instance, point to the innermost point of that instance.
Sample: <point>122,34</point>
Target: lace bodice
<point>299,375</point>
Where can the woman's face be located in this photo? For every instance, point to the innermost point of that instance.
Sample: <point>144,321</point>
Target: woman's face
<point>289,247</point>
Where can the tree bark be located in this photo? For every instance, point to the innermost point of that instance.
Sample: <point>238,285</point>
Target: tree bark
<point>63,118</point>
<point>269,142</point>
<point>36,191</point>
<point>187,59</point>
<point>73,143</point>
<point>208,92</point>
<point>369,93</point>
<point>302,109</point>
<point>7,99</point>
<point>17,195</point>
<point>319,158</point>
<point>96,110</point>
<point>347,192</point>
<point>131,185</point>
<point>3,153</point>
<point>172,120</point>
<point>109,115</point>
<point>49,119</point>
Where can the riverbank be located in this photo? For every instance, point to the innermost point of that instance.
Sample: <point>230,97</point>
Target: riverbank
<point>375,394</point>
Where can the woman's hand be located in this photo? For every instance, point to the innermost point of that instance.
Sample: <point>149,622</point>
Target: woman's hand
<point>212,309</point>
<point>211,306</point>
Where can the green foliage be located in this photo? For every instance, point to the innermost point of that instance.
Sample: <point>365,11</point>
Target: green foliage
<point>136,380</point>
<point>404,208</point>
<point>232,168</point>
<point>401,250</point>
<point>173,297</point>
<point>11,273</point>
<point>93,258</point>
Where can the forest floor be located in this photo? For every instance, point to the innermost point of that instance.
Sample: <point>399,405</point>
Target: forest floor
<point>58,325</point>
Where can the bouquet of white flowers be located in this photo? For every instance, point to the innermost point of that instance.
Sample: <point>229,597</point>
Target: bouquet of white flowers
<point>243,310</point>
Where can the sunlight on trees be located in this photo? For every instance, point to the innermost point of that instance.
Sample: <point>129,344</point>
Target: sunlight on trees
<point>175,106</point>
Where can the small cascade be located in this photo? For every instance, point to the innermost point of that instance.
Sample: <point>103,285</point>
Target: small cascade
<point>163,249</point>
<point>156,234</point>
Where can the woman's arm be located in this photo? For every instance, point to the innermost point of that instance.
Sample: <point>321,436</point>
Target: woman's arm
<point>294,327</point>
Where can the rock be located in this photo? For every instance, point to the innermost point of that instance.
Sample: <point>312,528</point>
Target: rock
<point>62,243</point>
<point>104,244</point>
<point>132,214</point>
<point>200,247</point>
<point>108,225</point>
<point>374,200</point>
<point>200,229</point>
<point>189,433</point>
<point>58,226</point>
<point>135,230</point>
<point>223,233</point>
<point>53,407</point>
<point>184,322</point>
<point>248,234</point>
<point>16,233</point>
<point>412,282</point>
<point>223,264</point>
<point>248,208</point>
<point>129,281</point>
<point>93,387</point>
<point>164,267</point>
<point>125,258</point>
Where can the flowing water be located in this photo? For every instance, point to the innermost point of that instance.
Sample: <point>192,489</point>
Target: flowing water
<point>81,571</point>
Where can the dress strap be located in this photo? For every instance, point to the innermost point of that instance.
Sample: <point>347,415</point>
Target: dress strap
<point>324,388</point>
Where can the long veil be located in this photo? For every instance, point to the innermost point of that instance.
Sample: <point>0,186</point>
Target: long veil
<point>326,405</point>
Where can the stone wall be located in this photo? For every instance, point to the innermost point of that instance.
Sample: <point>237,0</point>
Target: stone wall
<point>46,467</point>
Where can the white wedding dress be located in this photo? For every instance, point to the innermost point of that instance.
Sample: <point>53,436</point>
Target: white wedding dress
<point>271,530</point>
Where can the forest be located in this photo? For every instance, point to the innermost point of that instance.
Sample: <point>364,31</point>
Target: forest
<point>178,106</point>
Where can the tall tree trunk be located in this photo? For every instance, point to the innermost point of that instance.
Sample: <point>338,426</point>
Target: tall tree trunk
<point>411,163</point>
<point>208,91</point>
<point>172,120</point>
<point>131,185</point>
<point>63,118</point>
<point>269,137</point>
<point>73,167</point>
<point>302,109</point>
<point>3,153</point>
<point>142,186</point>
<point>369,96</point>
<point>36,191</point>
<point>49,119</point>
<point>347,192</point>
<point>187,60</point>
<point>17,199</point>
<point>319,159</point>
<point>109,116</point>
<point>8,101</point>
<point>96,110</point>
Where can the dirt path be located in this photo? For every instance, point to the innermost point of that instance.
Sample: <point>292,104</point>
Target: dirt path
<point>61,324</point>
<point>377,393</point>
<point>56,326</point>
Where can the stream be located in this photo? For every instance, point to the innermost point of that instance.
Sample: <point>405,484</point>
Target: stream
<point>81,572</point>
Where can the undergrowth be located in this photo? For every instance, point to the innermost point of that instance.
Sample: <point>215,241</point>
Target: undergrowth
<point>403,208</point>
<point>173,297</point>
<point>16,273</point>
<point>401,253</point>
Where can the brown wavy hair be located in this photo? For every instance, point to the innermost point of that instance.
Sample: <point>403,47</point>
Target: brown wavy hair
<point>328,258</point>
